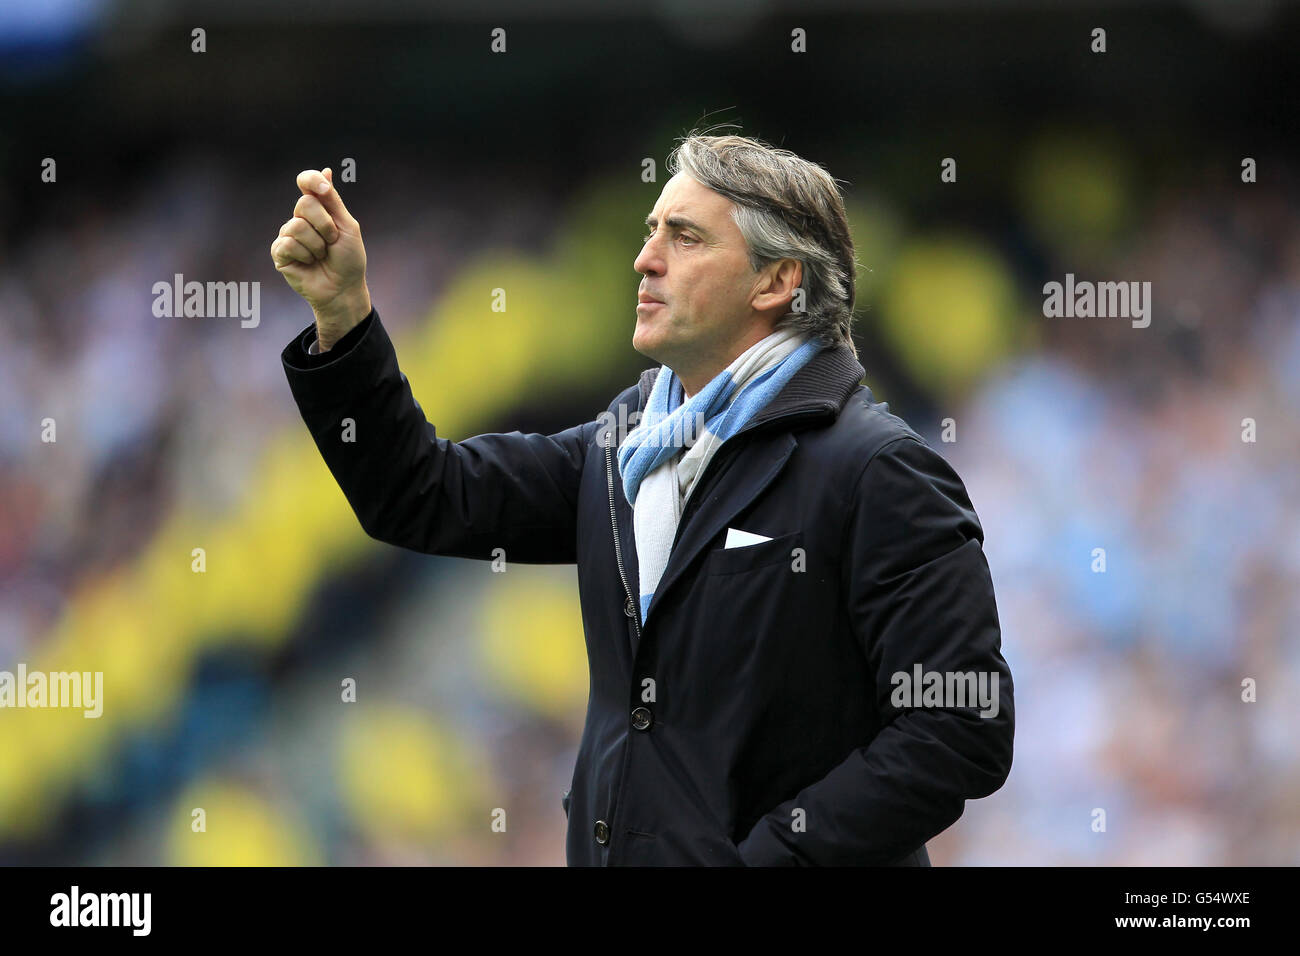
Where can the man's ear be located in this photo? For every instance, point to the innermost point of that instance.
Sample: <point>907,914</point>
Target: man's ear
<point>777,284</point>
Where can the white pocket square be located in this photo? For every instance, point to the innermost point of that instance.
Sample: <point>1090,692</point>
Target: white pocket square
<point>739,539</point>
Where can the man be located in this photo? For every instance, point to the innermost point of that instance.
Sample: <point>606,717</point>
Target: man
<point>758,593</point>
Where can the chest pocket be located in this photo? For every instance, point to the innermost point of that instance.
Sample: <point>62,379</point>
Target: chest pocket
<point>780,550</point>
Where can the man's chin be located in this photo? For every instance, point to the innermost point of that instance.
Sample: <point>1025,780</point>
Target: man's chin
<point>647,341</point>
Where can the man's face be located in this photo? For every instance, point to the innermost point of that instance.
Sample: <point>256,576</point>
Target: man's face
<point>696,263</point>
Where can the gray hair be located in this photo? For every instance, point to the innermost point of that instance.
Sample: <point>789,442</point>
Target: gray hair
<point>786,208</point>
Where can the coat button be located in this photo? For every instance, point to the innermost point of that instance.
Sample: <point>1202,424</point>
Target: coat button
<point>628,609</point>
<point>641,718</point>
<point>602,832</point>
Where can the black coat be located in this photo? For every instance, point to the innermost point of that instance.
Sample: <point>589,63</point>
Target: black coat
<point>749,721</point>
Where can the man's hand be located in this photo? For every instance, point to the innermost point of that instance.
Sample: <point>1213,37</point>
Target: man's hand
<point>320,254</point>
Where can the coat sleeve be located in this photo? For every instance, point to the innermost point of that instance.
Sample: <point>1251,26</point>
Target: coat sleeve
<point>919,593</point>
<point>409,487</point>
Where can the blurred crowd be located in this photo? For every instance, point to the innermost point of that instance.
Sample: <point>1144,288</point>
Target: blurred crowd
<point>145,408</point>
<point>1174,449</point>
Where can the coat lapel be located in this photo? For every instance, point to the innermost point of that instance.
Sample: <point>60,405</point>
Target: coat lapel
<point>731,494</point>
<point>822,386</point>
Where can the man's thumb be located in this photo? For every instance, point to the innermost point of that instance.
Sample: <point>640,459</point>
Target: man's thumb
<point>331,200</point>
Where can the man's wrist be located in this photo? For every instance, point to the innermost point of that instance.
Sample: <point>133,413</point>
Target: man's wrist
<point>340,318</point>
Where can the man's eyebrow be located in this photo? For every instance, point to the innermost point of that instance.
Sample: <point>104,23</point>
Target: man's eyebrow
<point>677,222</point>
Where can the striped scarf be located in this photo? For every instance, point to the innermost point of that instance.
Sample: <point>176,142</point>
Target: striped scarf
<point>674,441</point>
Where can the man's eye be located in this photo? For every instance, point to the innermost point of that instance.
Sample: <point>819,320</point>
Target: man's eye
<point>645,239</point>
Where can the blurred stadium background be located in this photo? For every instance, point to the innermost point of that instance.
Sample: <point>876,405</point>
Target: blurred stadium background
<point>523,170</point>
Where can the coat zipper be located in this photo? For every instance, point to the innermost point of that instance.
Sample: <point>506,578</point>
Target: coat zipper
<point>632,605</point>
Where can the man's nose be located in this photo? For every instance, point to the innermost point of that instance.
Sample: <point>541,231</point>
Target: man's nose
<point>648,261</point>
